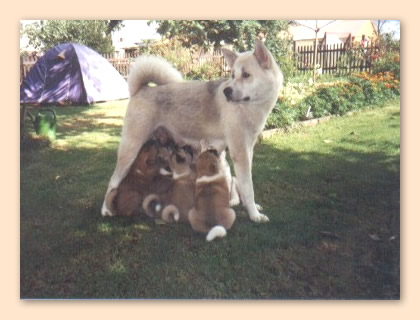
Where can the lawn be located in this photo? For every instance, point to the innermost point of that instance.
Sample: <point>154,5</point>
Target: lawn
<point>332,193</point>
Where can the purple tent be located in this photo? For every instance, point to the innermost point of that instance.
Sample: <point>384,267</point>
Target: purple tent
<point>72,74</point>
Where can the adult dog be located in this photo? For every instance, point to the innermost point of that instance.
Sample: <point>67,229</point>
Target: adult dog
<point>228,113</point>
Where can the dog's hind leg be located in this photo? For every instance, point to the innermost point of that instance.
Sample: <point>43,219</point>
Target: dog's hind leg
<point>133,137</point>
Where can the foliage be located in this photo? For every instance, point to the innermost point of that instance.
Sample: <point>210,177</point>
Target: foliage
<point>302,101</point>
<point>389,62</point>
<point>387,57</point>
<point>173,51</point>
<point>206,71</point>
<point>205,34</point>
<point>95,34</point>
<point>185,59</point>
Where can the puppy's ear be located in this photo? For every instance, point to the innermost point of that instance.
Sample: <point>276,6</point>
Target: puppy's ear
<point>230,56</point>
<point>171,145</point>
<point>262,55</point>
<point>189,150</point>
<point>213,151</point>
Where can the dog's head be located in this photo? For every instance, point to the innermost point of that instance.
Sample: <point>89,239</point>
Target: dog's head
<point>256,78</point>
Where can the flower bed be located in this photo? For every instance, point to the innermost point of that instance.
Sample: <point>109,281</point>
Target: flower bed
<point>305,101</point>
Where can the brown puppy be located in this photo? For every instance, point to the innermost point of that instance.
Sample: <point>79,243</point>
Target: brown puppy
<point>211,212</point>
<point>136,185</point>
<point>149,173</point>
<point>173,206</point>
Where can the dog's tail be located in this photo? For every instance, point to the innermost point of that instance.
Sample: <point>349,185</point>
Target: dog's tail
<point>170,214</point>
<point>152,205</point>
<point>216,232</point>
<point>153,69</point>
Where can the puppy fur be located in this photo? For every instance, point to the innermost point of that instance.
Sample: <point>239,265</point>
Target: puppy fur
<point>180,197</point>
<point>136,185</point>
<point>211,207</point>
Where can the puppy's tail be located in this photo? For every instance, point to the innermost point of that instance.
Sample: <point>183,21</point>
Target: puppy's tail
<point>151,69</point>
<point>170,214</point>
<point>216,232</point>
<point>152,205</point>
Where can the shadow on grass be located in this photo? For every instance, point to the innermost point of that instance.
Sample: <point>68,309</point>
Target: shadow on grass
<point>334,232</point>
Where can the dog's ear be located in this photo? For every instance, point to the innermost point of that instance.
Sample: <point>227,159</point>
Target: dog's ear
<point>230,56</point>
<point>262,55</point>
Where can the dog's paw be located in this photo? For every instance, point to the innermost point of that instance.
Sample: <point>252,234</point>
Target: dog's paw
<point>260,218</point>
<point>234,202</point>
<point>259,207</point>
<point>106,213</point>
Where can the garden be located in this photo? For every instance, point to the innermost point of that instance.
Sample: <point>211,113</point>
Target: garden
<point>331,191</point>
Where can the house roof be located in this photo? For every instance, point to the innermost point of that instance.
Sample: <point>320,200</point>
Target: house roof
<point>306,29</point>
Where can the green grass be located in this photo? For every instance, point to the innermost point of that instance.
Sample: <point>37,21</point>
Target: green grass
<point>331,191</point>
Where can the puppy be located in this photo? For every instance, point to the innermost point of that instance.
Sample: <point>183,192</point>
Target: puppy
<point>180,197</point>
<point>149,173</point>
<point>136,185</point>
<point>211,212</point>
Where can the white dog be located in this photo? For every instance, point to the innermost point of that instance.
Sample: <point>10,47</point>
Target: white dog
<point>228,113</point>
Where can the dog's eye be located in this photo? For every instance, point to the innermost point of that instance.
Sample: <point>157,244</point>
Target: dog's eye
<point>245,75</point>
<point>233,75</point>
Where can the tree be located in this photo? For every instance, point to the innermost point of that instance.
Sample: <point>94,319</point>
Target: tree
<point>239,33</point>
<point>95,34</point>
<point>379,26</point>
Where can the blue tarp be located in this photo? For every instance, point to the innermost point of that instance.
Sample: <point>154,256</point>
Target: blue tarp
<point>72,74</point>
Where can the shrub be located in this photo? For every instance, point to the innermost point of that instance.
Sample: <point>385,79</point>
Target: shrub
<point>207,71</point>
<point>171,50</point>
<point>390,62</point>
<point>334,98</point>
<point>285,114</point>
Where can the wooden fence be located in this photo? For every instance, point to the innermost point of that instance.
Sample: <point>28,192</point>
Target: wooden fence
<point>341,59</point>
<point>336,58</point>
<point>122,63</point>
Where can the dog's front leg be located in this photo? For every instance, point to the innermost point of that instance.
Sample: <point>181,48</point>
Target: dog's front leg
<point>241,158</point>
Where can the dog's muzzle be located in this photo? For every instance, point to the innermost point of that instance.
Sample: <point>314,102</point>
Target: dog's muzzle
<point>228,91</point>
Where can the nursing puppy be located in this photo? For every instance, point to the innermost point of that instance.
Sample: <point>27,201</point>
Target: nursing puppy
<point>150,173</point>
<point>228,113</point>
<point>129,195</point>
<point>211,212</point>
<point>174,205</point>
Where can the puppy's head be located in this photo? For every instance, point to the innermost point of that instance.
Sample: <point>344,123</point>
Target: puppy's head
<point>147,159</point>
<point>208,163</point>
<point>181,159</point>
<point>164,137</point>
